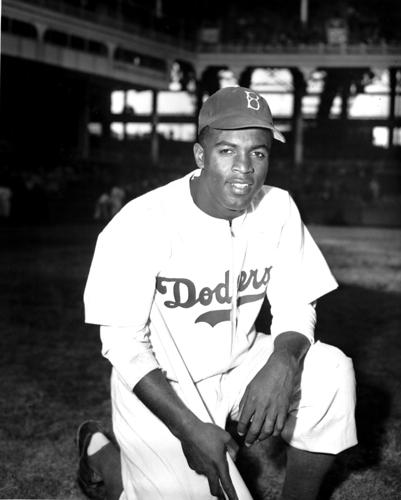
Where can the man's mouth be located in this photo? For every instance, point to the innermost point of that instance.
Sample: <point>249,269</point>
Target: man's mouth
<point>240,187</point>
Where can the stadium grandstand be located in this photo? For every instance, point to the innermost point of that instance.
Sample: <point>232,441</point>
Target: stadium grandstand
<point>98,94</point>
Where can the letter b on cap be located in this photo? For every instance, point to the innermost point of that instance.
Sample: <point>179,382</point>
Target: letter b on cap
<point>253,100</point>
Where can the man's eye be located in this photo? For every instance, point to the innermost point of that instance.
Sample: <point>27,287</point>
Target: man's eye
<point>226,151</point>
<point>259,154</point>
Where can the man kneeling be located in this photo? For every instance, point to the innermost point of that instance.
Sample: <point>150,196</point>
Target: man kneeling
<point>177,280</point>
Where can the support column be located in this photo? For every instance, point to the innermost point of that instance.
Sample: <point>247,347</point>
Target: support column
<point>303,12</point>
<point>111,47</point>
<point>104,112</point>
<point>207,83</point>
<point>391,111</point>
<point>125,112</point>
<point>154,138</point>
<point>297,119</point>
<point>83,133</point>
<point>41,30</point>
<point>345,94</point>
<point>245,78</point>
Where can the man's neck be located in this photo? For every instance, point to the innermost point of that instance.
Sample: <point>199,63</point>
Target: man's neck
<point>204,206</point>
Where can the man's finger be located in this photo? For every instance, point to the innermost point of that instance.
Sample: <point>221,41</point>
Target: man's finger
<point>254,429</point>
<point>244,418</point>
<point>280,422</point>
<point>214,486</point>
<point>268,428</point>
<point>226,483</point>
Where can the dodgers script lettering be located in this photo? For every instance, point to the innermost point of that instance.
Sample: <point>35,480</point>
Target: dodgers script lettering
<point>182,292</point>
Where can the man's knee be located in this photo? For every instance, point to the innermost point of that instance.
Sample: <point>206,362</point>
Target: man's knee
<point>341,368</point>
<point>329,376</point>
<point>323,419</point>
<point>331,360</point>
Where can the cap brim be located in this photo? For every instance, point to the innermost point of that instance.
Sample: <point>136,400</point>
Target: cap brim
<point>278,135</point>
<point>238,122</point>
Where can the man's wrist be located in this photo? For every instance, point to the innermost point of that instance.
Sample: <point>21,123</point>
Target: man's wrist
<point>158,395</point>
<point>184,427</point>
<point>292,344</point>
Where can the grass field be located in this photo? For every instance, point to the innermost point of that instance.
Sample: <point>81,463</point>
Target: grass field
<point>52,375</point>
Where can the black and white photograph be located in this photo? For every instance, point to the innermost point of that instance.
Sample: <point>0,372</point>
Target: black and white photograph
<point>200,250</point>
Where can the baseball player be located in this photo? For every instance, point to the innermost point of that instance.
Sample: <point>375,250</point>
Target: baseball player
<point>193,260</point>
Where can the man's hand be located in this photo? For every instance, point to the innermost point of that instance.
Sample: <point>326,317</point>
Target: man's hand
<point>265,403</point>
<point>205,450</point>
<point>205,445</point>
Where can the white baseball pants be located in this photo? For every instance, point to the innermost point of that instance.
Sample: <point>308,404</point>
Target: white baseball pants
<point>322,420</point>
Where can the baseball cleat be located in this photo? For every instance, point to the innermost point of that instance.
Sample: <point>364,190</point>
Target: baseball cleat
<point>88,479</point>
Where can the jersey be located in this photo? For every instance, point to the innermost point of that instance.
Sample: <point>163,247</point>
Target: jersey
<point>207,278</point>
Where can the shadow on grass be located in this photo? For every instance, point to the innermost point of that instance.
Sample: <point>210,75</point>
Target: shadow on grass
<point>373,410</point>
<point>365,324</point>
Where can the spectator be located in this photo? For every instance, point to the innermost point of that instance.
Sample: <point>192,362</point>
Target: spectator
<point>103,208</point>
<point>117,198</point>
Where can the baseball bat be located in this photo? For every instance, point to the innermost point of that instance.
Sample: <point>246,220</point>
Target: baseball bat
<point>192,397</point>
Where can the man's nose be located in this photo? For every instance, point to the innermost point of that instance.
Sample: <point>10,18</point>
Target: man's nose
<point>243,164</point>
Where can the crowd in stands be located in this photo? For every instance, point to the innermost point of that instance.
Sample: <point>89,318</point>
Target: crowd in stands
<point>72,192</point>
<point>325,25</point>
<point>92,192</point>
<point>252,22</point>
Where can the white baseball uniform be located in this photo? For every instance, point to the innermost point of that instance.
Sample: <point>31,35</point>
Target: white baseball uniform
<point>208,278</point>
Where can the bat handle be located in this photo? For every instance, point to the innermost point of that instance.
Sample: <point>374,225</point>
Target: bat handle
<point>239,485</point>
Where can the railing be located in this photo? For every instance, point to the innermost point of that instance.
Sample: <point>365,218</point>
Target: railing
<point>165,30</point>
<point>173,31</point>
<point>319,48</point>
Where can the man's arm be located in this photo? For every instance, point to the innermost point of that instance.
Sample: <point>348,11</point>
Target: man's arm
<point>265,403</point>
<point>126,262</point>
<point>204,444</point>
<point>300,276</point>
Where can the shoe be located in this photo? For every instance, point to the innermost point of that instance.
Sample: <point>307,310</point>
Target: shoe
<point>89,480</point>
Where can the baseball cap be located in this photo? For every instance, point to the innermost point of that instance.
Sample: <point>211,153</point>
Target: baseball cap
<point>233,108</point>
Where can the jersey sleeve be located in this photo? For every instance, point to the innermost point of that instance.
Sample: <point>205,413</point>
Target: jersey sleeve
<point>299,276</point>
<point>120,289</point>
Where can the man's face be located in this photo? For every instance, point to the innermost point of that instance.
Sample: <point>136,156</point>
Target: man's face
<point>234,165</point>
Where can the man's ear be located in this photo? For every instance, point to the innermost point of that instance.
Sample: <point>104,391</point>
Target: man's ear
<point>199,155</point>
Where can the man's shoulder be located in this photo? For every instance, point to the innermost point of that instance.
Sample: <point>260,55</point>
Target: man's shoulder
<point>270,196</point>
<point>151,208</point>
<point>158,196</point>
<point>270,207</point>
